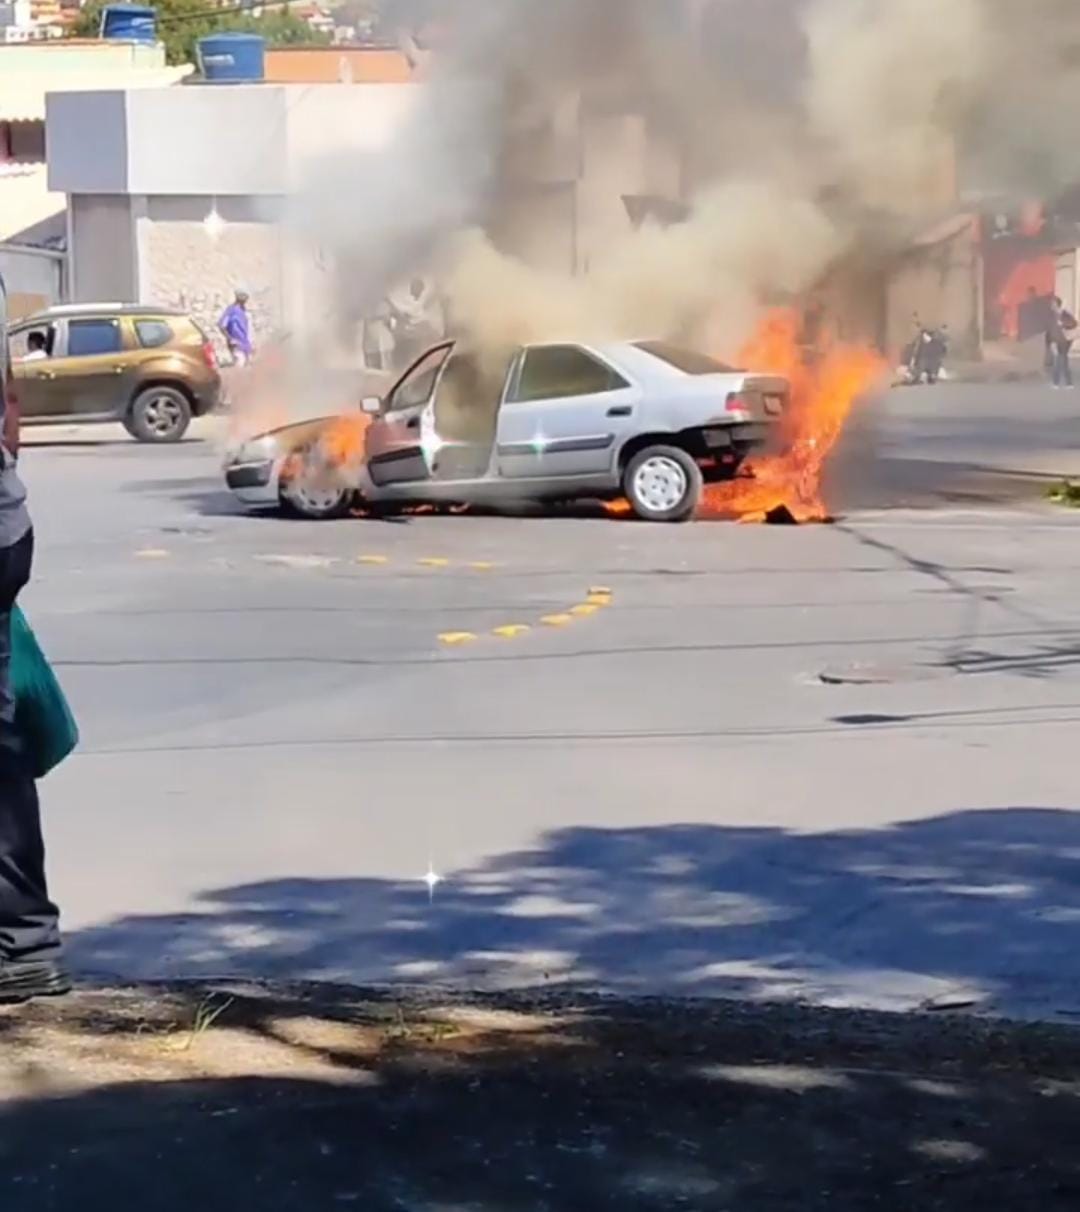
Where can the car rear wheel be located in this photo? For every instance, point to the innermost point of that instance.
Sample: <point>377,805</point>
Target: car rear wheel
<point>159,414</point>
<point>304,496</point>
<point>663,484</point>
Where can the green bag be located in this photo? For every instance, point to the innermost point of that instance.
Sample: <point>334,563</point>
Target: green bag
<point>42,713</point>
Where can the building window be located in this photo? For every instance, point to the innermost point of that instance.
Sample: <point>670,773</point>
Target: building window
<point>26,141</point>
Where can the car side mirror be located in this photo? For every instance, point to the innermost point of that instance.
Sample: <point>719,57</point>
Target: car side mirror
<point>371,405</point>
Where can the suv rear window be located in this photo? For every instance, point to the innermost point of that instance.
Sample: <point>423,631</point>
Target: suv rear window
<point>689,361</point>
<point>152,333</point>
<point>89,337</point>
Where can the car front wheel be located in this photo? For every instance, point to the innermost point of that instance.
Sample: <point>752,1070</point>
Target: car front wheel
<point>304,496</point>
<point>663,484</point>
<point>159,414</point>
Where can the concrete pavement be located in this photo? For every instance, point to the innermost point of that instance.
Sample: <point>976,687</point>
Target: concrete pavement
<point>829,763</point>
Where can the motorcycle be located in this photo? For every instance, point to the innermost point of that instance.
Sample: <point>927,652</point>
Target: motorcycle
<point>924,358</point>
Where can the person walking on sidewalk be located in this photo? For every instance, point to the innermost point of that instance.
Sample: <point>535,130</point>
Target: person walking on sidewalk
<point>1060,328</point>
<point>30,953</point>
<point>235,325</point>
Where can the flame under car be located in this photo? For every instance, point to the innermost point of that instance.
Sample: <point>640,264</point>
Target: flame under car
<point>648,421</point>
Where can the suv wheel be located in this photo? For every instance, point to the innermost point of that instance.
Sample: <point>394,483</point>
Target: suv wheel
<point>663,484</point>
<point>159,414</point>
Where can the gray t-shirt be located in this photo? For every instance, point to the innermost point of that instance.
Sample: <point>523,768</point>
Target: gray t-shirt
<point>14,518</point>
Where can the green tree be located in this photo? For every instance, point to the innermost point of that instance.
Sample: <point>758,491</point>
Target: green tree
<point>181,23</point>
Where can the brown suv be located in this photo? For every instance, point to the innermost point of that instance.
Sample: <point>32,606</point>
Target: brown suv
<point>149,367</point>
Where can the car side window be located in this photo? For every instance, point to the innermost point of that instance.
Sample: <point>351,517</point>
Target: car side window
<point>20,341</point>
<point>89,337</point>
<point>556,372</point>
<point>152,333</point>
<point>416,388</point>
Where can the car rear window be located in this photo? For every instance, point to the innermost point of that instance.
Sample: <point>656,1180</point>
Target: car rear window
<point>89,337</point>
<point>152,333</point>
<point>689,361</point>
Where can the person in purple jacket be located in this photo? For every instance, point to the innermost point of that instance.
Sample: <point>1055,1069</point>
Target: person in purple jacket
<point>235,325</point>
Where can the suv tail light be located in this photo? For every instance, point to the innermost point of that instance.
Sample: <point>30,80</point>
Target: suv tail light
<point>737,403</point>
<point>209,357</point>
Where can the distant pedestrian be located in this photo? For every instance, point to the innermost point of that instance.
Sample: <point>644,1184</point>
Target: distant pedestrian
<point>1060,327</point>
<point>29,922</point>
<point>235,326</point>
<point>415,321</point>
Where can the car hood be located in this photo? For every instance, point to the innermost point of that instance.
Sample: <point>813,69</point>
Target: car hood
<point>287,438</point>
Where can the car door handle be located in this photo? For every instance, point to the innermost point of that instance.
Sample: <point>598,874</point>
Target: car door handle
<point>118,370</point>
<point>45,374</point>
<point>621,410</point>
<point>413,424</point>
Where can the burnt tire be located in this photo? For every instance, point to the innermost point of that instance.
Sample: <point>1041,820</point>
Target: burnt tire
<point>301,497</point>
<point>663,484</point>
<point>159,415</point>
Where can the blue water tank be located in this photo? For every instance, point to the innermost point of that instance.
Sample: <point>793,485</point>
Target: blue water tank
<point>232,58</point>
<point>129,22</point>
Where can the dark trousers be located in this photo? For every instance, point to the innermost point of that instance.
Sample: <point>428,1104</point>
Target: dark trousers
<point>29,925</point>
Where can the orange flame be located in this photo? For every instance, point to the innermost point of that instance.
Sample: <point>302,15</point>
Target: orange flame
<point>341,443</point>
<point>823,392</point>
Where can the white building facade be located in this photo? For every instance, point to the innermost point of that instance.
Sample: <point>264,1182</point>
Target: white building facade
<point>176,196</point>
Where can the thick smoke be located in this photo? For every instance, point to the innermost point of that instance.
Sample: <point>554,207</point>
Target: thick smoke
<point>797,133</point>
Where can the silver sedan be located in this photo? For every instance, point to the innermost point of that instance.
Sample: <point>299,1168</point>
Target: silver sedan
<point>646,420</point>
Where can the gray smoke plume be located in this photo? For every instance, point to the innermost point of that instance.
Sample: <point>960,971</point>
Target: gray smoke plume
<point>803,130</point>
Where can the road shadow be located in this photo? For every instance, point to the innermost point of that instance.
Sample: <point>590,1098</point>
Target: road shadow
<point>975,908</point>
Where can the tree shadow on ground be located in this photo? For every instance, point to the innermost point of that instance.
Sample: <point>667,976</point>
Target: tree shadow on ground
<point>976,906</point>
<point>594,1106</point>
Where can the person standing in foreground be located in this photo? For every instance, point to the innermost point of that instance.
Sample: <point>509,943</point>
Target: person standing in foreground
<point>235,325</point>
<point>30,953</point>
<point>1060,327</point>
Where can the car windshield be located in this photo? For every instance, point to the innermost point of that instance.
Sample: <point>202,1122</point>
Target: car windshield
<point>689,361</point>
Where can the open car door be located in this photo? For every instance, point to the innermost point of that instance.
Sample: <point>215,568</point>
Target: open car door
<point>399,442</point>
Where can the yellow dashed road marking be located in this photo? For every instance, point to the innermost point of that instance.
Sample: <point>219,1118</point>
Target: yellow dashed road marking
<point>557,620</point>
<point>454,639</point>
<point>434,562</point>
<point>481,566</point>
<point>583,610</point>
<point>598,599</point>
<point>511,631</point>
<point>372,559</point>
<point>153,553</point>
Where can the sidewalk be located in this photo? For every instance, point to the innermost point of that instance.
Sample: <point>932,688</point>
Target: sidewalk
<point>313,1098</point>
<point>1007,362</point>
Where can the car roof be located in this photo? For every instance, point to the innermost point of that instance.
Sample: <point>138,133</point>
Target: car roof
<point>68,310</point>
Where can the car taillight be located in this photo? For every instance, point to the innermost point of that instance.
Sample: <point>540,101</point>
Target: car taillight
<point>208,355</point>
<point>737,403</point>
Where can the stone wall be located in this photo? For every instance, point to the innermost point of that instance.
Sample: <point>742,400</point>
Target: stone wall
<point>184,266</point>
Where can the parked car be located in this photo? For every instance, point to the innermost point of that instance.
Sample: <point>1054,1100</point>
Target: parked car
<point>646,419</point>
<point>151,368</point>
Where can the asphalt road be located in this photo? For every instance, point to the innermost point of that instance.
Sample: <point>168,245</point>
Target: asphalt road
<point>828,762</point>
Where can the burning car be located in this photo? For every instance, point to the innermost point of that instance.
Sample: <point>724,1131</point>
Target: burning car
<point>647,420</point>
